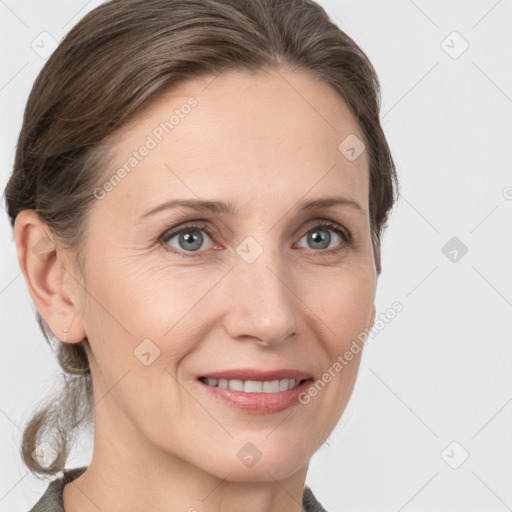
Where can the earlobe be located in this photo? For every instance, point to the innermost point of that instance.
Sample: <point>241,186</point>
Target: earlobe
<point>44,274</point>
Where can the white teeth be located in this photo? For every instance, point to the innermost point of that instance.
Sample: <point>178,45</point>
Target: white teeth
<point>271,387</point>
<point>254,386</point>
<point>236,385</point>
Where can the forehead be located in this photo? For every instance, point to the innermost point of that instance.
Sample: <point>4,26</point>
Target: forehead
<point>275,134</point>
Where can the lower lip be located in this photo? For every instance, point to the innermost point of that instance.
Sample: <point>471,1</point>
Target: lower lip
<point>258,403</point>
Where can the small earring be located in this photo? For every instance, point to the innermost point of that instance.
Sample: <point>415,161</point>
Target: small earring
<point>65,331</point>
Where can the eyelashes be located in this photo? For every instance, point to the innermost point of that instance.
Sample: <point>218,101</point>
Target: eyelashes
<point>197,227</point>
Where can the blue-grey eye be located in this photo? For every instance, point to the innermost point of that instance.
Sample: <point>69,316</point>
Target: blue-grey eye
<point>189,239</point>
<point>321,237</point>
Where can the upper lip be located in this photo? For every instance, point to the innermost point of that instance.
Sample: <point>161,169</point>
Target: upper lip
<point>258,375</point>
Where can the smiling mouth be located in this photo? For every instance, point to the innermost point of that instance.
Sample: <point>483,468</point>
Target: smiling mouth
<point>254,386</point>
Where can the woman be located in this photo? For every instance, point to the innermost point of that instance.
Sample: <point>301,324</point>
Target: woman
<point>198,198</point>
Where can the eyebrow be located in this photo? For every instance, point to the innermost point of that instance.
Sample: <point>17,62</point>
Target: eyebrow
<point>219,207</point>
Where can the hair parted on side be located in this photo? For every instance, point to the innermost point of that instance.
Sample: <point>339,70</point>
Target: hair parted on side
<point>106,68</point>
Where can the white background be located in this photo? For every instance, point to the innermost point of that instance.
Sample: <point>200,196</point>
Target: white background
<point>440,371</point>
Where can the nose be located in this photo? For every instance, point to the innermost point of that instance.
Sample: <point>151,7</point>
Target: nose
<point>262,305</point>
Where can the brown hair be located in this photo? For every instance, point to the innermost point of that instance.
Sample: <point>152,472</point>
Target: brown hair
<point>110,64</point>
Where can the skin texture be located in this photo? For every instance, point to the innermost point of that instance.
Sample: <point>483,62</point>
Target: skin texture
<point>264,143</point>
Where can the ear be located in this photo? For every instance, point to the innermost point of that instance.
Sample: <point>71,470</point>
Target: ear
<point>48,282</point>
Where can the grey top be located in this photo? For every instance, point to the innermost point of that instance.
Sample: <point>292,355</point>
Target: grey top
<point>51,500</point>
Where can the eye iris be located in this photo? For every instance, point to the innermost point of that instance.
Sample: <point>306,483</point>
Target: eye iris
<point>320,236</point>
<point>191,240</point>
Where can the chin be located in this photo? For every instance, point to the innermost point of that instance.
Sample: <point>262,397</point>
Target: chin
<point>259,459</point>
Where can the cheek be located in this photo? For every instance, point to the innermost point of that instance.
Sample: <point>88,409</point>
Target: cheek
<point>341,309</point>
<point>158,301</point>
<point>343,303</point>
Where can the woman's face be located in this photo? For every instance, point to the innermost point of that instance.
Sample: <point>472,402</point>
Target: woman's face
<point>255,281</point>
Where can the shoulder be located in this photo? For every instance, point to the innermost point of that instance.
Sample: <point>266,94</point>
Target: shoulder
<point>51,500</point>
<point>309,502</point>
